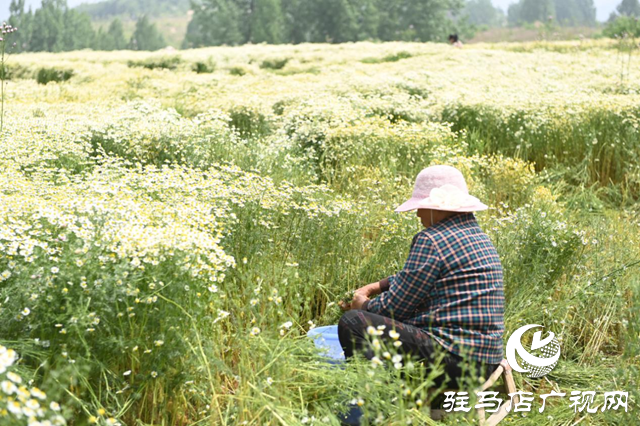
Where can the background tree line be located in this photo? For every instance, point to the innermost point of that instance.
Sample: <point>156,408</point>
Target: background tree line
<point>134,8</point>
<point>234,22</point>
<point>623,22</point>
<point>563,12</point>
<point>54,27</point>
<point>127,24</point>
<point>483,14</point>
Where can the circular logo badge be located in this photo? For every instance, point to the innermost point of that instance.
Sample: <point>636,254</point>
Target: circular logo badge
<point>538,360</point>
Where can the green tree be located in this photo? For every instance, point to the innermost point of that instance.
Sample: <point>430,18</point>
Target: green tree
<point>430,19</point>
<point>390,26</point>
<point>565,12</point>
<point>214,22</point>
<point>244,9</point>
<point>24,21</point>
<point>537,10</point>
<point>629,8</point>
<point>514,14</point>
<point>52,28</point>
<point>112,39</point>
<point>102,41</point>
<point>106,9</point>
<point>482,12</point>
<point>116,34</point>
<point>298,20</point>
<point>575,12</point>
<point>77,31</point>
<point>146,36</point>
<point>368,19</point>
<point>48,25</point>
<point>337,21</point>
<point>415,20</point>
<point>586,12</point>
<point>267,23</point>
<point>621,27</point>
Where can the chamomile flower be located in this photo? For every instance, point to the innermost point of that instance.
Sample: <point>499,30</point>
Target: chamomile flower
<point>14,377</point>
<point>287,325</point>
<point>8,387</point>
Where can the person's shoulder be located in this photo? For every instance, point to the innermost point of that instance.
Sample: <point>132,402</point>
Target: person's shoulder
<point>425,243</point>
<point>428,239</point>
<point>424,237</point>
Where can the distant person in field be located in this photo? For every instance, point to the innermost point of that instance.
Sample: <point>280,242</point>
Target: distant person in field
<point>454,41</point>
<point>448,297</point>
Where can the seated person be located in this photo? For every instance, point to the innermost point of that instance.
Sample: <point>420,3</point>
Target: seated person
<point>448,296</point>
<point>454,40</point>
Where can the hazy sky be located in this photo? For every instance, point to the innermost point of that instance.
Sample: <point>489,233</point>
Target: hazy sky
<point>603,7</point>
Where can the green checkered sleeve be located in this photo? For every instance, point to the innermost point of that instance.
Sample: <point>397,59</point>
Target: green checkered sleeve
<point>409,288</point>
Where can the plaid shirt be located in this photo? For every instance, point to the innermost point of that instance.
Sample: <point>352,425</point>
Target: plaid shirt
<point>451,287</point>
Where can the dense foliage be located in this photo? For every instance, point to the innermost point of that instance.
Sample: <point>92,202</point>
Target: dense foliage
<point>564,12</point>
<point>111,39</point>
<point>167,237</point>
<point>629,8</point>
<point>54,27</point>
<point>232,22</point>
<point>622,26</point>
<point>484,14</point>
<point>146,36</point>
<point>110,8</point>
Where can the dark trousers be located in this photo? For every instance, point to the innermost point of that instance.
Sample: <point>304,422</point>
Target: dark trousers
<point>352,331</point>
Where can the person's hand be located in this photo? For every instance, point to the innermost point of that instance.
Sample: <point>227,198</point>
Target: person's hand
<point>344,306</point>
<point>369,290</point>
<point>358,301</point>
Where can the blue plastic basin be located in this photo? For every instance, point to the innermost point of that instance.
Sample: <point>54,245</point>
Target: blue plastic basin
<point>326,338</point>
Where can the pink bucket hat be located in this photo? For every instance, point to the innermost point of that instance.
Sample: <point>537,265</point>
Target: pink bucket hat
<point>441,188</point>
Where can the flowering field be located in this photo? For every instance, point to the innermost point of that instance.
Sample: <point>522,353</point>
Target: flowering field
<point>171,225</point>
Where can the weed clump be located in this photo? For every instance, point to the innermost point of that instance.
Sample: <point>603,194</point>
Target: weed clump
<point>249,122</point>
<point>394,57</point>
<point>163,62</point>
<point>47,75</point>
<point>204,67</point>
<point>15,72</point>
<point>238,70</point>
<point>274,63</point>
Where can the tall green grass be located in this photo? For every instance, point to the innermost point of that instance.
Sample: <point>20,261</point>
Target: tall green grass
<point>590,145</point>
